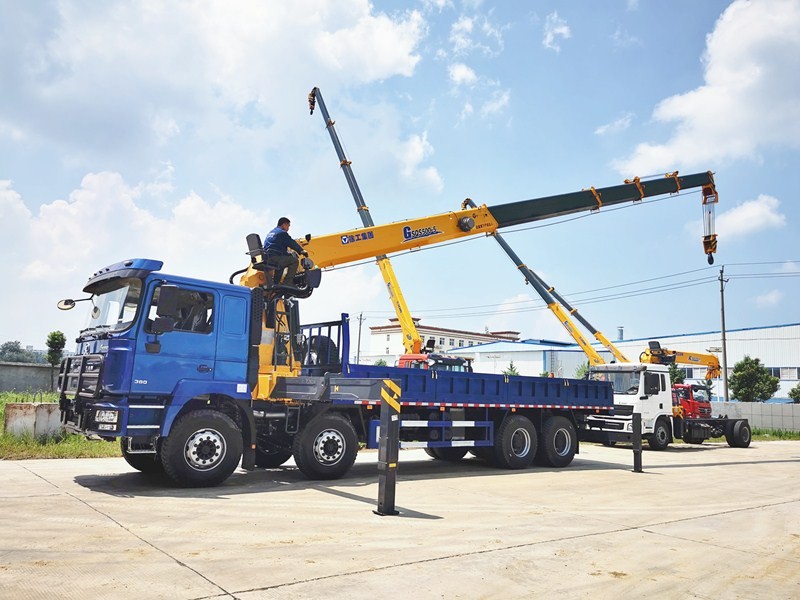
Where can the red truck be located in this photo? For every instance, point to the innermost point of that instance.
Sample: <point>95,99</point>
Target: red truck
<point>692,420</point>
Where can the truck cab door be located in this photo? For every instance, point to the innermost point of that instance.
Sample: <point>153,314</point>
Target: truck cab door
<point>186,352</point>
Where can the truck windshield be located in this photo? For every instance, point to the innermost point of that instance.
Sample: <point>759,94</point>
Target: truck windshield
<point>624,382</point>
<point>115,303</point>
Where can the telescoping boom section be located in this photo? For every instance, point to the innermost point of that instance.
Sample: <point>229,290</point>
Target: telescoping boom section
<point>369,242</point>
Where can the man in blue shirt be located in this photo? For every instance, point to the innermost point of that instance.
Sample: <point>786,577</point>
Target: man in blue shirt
<point>277,244</point>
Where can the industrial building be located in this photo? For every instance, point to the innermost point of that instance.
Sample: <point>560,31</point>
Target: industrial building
<point>777,346</point>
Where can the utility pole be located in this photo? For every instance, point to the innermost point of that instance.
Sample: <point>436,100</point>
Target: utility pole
<point>722,282</point>
<point>358,351</point>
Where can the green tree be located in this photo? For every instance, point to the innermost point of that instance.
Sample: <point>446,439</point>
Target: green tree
<point>511,370</point>
<point>14,352</point>
<point>751,381</point>
<point>380,363</point>
<point>676,374</point>
<point>582,370</point>
<point>55,352</point>
<point>794,394</point>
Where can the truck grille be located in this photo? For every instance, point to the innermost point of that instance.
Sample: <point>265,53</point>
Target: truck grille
<point>81,375</point>
<point>623,410</point>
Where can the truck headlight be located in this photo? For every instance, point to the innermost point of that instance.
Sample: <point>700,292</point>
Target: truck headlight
<point>106,416</point>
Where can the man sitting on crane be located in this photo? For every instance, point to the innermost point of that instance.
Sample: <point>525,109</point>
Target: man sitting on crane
<point>276,246</point>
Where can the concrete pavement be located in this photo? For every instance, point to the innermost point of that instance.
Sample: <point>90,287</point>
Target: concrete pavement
<point>701,522</point>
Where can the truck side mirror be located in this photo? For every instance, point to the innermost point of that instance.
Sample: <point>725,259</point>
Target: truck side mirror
<point>168,302</point>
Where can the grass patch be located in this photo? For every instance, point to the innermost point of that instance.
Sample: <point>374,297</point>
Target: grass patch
<point>767,435</point>
<point>14,447</point>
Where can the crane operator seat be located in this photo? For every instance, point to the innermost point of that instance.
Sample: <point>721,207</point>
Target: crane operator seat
<point>259,259</point>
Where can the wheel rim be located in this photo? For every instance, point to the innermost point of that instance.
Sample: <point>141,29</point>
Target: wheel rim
<point>205,449</point>
<point>521,443</point>
<point>745,435</point>
<point>329,447</point>
<point>661,433</point>
<point>562,442</point>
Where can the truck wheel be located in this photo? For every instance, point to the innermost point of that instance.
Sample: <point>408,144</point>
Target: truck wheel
<point>729,433</point>
<point>146,463</point>
<point>515,443</point>
<point>659,439</point>
<point>202,450</point>
<point>326,447</point>
<point>449,454</point>
<point>270,458</point>
<point>557,443</point>
<point>741,434</point>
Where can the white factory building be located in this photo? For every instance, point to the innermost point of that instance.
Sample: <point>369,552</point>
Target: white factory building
<point>777,346</point>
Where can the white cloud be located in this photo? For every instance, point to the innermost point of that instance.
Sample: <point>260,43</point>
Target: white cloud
<point>461,74</point>
<point>622,39</point>
<point>437,5</point>
<point>499,101</point>
<point>615,126</point>
<point>770,299</point>
<point>466,111</point>
<point>750,99</point>
<point>555,27</point>
<point>160,73</point>
<point>413,153</point>
<point>476,34</point>
<point>461,35</point>
<point>746,218</point>
<point>750,217</point>
<point>375,47</point>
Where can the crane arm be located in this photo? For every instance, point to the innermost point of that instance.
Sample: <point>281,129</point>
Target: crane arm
<point>655,354</point>
<point>371,242</point>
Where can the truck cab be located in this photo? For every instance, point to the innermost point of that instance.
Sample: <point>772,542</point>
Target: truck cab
<point>638,388</point>
<point>692,399</point>
<point>152,342</point>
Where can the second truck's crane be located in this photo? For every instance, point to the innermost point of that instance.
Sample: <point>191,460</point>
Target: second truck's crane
<point>656,355</point>
<point>412,342</point>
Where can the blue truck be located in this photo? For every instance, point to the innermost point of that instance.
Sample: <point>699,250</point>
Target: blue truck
<point>168,366</point>
<point>196,377</point>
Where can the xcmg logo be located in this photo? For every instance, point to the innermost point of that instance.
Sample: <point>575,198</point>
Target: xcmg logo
<point>423,232</point>
<point>357,237</point>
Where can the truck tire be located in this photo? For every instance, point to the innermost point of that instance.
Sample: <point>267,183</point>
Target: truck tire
<point>558,443</point>
<point>270,458</point>
<point>659,439</point>
<point>146,463</point>
<point>326,447</point>
<point>742,436</point>
<point>729,433</point>
<point>452,454</point>
<point>202,450</point>
<point>515,443</point>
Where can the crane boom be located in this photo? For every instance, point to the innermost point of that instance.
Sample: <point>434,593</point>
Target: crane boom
<point>369,242</point>
<point>341,248</point>
<point>655,354</point>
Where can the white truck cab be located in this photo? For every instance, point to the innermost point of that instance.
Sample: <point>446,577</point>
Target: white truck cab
<point>638,388</point>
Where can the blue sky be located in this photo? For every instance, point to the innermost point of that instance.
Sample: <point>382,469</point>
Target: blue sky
<point>171,130</point>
